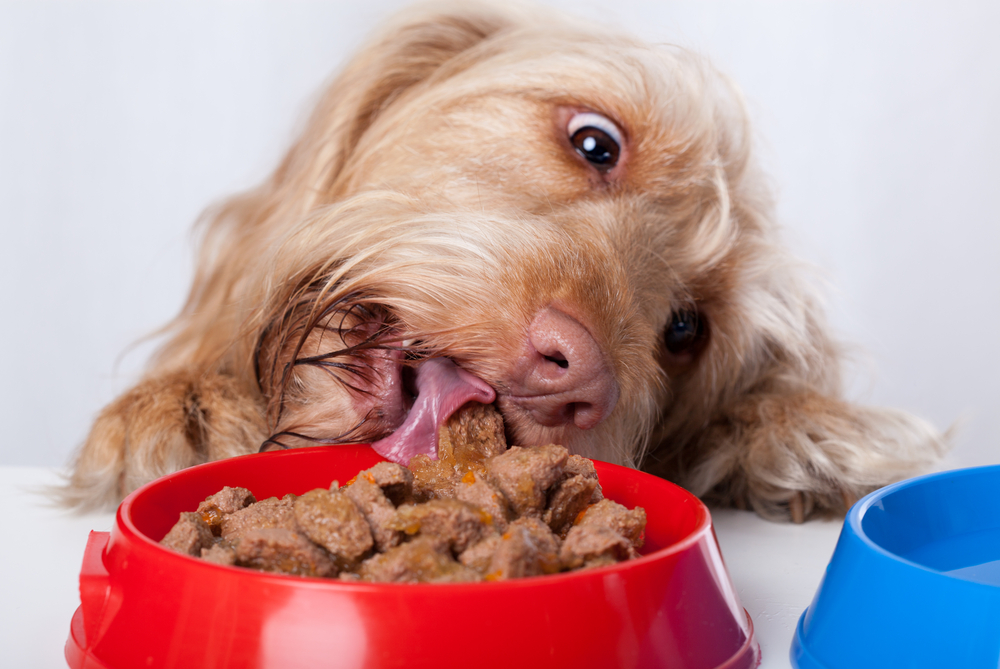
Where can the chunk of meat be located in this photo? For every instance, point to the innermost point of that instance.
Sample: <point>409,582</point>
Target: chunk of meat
<point>580,466</point>
<point>332,520</point>
<point>449,523</point>
<point>418,561</point>
<point>567,499</point>
<point>472,435</point>
<point>396,481</point>
<point>432,479</point>
<point>524,475</point>
<point>588,546</point>
<point>228,500</point>
<point>527,548</point>
<point>475,490</point>
<point>189,534</point>
<point>219,554</point>
<point>282,550</point>
<point>480,556</point>
<point>267,513</point>
<point>377,510</point>
<point>631,524</point>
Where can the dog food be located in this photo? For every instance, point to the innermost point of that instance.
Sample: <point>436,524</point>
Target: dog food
<point>482,511</point>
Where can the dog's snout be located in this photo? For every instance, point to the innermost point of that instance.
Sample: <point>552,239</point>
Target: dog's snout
<point>564,376</point>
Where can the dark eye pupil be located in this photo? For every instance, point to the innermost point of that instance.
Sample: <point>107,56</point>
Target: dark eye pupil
<point>684,332</point>
<point>597,147</point>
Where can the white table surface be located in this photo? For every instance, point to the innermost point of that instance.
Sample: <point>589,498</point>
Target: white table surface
<point>776,569</point>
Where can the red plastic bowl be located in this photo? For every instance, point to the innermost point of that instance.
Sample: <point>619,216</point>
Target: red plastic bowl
<point>146,606</point>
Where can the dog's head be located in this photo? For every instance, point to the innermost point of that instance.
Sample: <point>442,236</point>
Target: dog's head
<point>569,216</point>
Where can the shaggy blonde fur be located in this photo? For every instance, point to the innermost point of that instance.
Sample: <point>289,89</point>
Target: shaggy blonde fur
<point>434,205</point>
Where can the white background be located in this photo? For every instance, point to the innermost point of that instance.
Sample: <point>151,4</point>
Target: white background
<point>120,122</point>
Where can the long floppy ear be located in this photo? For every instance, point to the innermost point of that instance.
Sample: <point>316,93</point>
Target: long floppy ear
<point>240,232</point>
<point>757,417</point>
<point>761,421</point>
<point>200,400</point>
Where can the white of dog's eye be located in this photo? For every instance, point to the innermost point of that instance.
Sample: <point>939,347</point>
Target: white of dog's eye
<point>595,138</point>
<point>585,119</point>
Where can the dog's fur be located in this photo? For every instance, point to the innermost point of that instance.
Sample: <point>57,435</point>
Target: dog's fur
<point>434,205</point>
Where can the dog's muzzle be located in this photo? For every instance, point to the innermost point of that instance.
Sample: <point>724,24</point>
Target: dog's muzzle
<point>563,376</point>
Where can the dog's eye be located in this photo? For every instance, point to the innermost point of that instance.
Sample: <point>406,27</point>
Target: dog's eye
<point>595,138</point>
<point>684,333</point>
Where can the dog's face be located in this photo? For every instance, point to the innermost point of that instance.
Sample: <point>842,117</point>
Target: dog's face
<point>492,206</point>
<point>563,217</point>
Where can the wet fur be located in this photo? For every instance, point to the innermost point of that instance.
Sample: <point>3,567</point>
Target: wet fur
<point>432,205</point>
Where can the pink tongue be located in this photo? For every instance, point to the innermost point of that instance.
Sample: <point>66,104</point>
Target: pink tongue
<point>442,387</point>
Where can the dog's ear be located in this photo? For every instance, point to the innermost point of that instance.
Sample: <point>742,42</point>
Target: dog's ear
<point>755,414</point>
<point>761,421</point>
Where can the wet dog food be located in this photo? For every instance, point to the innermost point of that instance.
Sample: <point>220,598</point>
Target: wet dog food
<point>481,511</point>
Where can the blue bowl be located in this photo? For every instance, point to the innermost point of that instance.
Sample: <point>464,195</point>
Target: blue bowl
<point>914,580</point>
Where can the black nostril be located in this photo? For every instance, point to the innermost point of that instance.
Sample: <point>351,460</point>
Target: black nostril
<point>558,359</point>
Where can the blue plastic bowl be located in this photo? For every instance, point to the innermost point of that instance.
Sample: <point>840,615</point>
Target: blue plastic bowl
<point>914,580</point>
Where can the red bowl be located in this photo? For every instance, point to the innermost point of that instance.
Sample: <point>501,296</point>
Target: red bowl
<point>146,606</point>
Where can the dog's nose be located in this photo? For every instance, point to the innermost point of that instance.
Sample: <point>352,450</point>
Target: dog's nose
<point>565,376</point>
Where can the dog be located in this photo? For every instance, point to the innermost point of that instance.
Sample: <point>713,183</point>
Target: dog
<point>488,206</point>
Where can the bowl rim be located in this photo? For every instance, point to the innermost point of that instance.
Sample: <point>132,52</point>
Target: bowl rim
<point>856,516</point>
<point>125,524</point>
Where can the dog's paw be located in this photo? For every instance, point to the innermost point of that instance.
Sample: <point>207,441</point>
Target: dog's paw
<point>799,505</point>
<point>802,456</point>
<point>163,424</point>
<point>802,505</point>
<point>780,504</point>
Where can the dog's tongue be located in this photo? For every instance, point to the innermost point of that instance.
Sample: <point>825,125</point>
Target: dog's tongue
<point>442,387</point>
